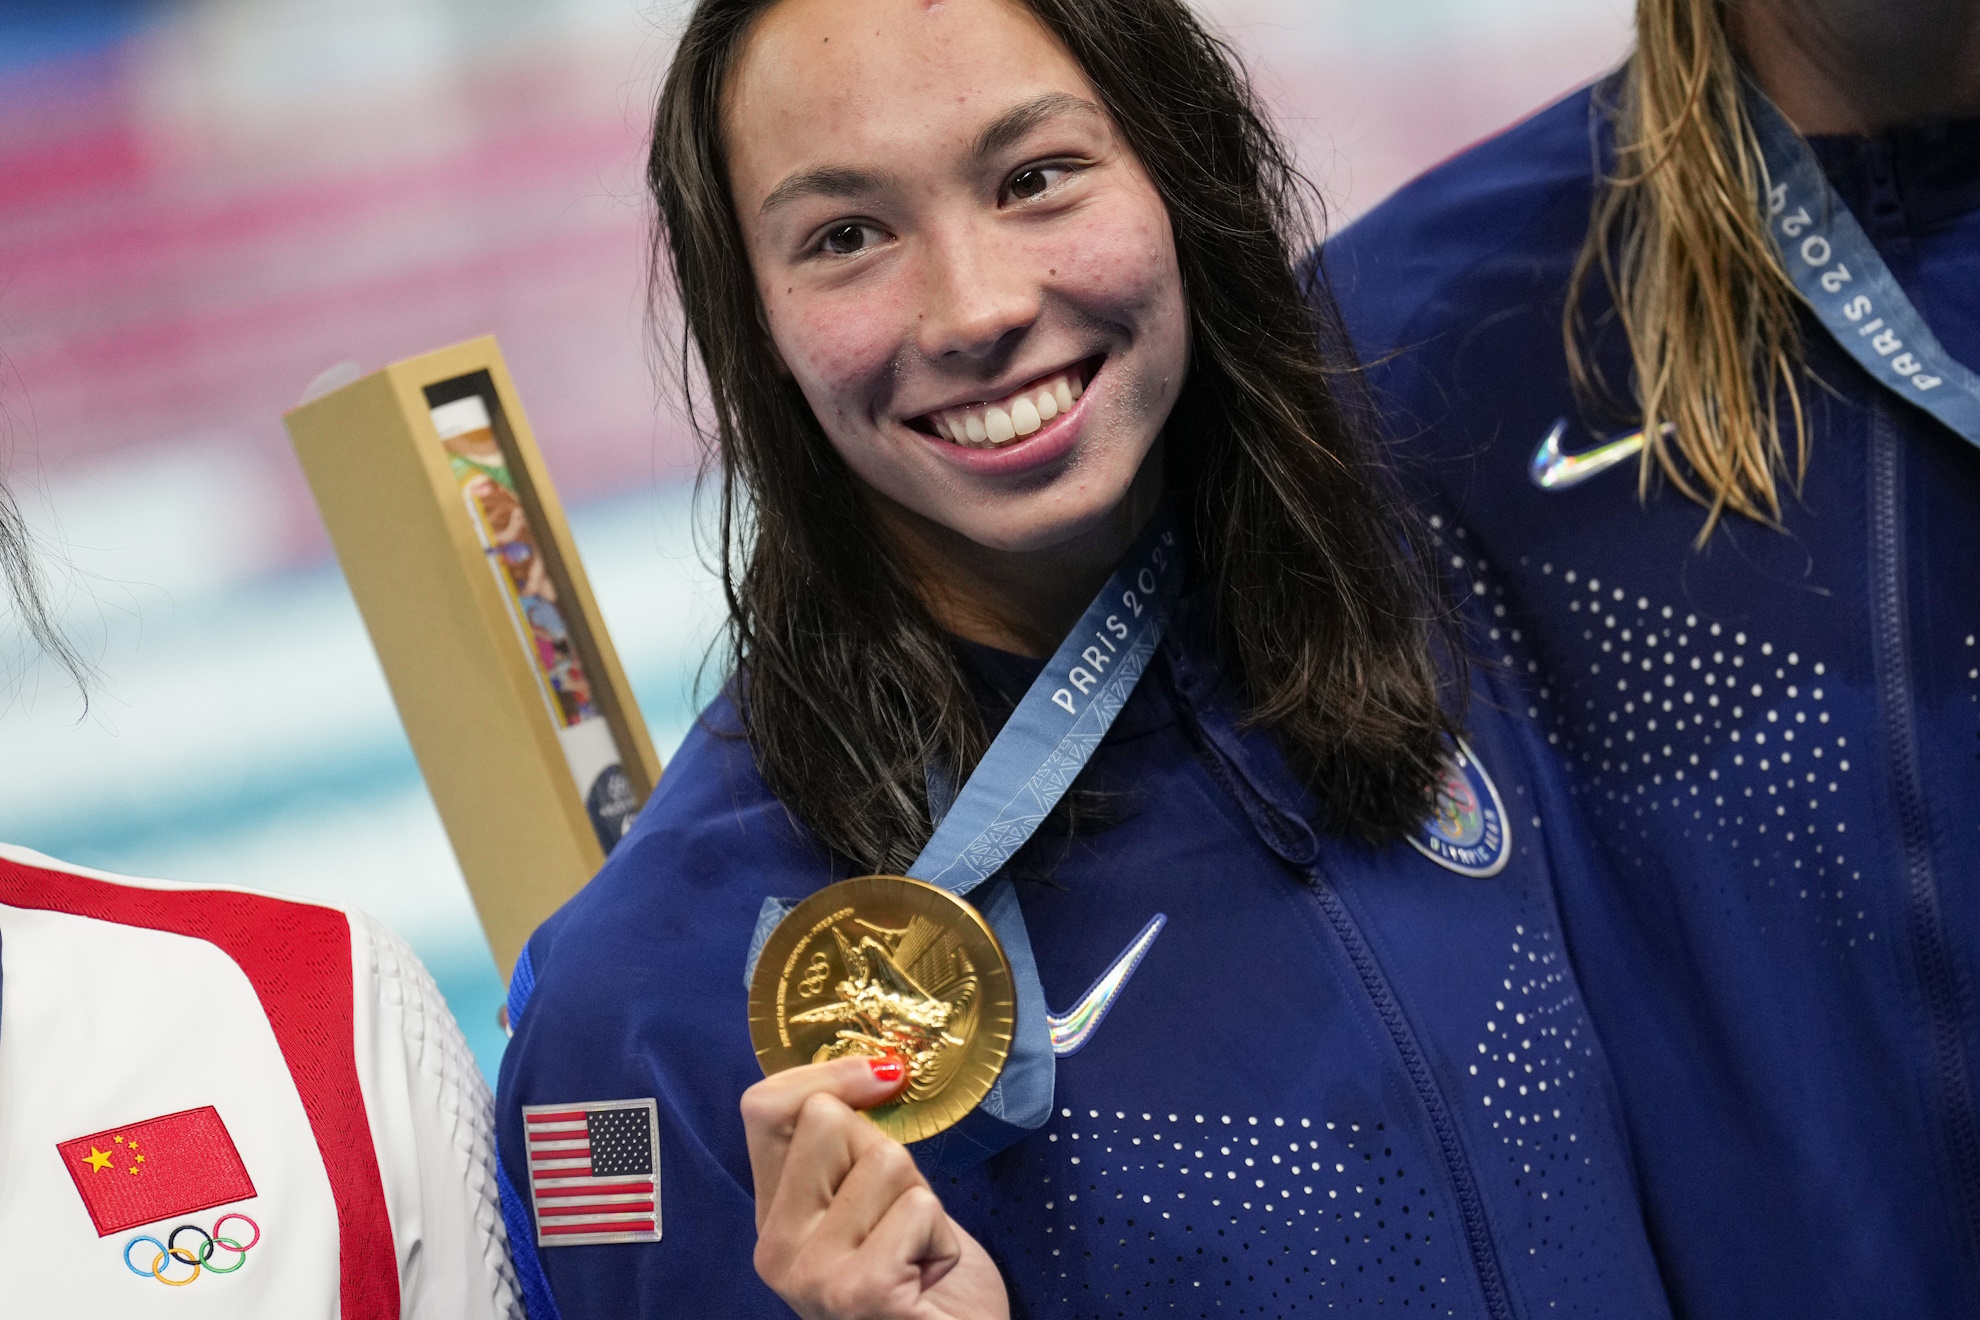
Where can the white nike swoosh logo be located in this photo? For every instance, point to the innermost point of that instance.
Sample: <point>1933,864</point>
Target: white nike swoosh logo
<point>1551,469</point>
<point>1074,1027</point>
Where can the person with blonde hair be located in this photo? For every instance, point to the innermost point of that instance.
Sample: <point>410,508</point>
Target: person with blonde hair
<point>1686,363</point>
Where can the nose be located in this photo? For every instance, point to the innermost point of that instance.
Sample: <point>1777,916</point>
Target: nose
<point>979,297</point>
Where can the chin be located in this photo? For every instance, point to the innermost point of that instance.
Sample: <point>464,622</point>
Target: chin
<point>1038,524</point>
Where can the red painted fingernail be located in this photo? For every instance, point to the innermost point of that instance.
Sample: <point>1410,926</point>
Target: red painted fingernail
<point>888,1069</point>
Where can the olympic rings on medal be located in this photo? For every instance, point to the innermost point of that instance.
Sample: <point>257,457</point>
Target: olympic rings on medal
<point>201,1260</point>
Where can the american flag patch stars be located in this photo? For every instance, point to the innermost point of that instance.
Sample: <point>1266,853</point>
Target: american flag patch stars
<point>594,1171</point>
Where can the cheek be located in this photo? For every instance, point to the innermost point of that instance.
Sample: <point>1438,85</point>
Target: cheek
<point>1124,270</point>
<point>840,350</point>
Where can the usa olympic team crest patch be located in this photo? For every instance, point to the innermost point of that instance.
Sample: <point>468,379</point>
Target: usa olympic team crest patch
<point>1467,830</point>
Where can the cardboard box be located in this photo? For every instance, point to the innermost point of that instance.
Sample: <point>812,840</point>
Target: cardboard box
<point>454,544</point>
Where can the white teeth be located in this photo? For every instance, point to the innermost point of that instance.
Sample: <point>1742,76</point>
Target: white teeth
<point>986,425</point>
<point>997,423</point>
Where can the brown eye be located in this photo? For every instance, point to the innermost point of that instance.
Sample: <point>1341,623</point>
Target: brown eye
<point>844,239</point>
<point>1029,182</point>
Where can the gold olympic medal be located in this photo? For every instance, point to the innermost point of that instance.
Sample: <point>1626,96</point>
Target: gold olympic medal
<point>884,965</point>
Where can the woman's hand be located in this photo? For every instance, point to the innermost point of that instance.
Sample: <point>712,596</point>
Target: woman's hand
<point>846,1226</point>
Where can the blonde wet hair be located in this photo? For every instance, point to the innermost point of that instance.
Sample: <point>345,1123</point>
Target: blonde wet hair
<point>1680,237</point>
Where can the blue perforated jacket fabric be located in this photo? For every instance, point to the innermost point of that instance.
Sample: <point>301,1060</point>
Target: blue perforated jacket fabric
<point>1776,738</point>
<point>1341,1080</point>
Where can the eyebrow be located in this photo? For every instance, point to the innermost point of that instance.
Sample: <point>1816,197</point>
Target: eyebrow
<point>999,134</point>
<point>823,181</point>
<point>1020,119</point>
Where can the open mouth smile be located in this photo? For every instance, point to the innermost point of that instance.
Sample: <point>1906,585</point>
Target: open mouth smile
<point>992,424</point>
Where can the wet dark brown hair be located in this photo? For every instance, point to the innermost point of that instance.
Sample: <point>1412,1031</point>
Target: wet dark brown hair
<point>1321,598</point>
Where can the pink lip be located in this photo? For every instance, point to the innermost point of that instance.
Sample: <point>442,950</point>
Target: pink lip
<point>1043,447</point>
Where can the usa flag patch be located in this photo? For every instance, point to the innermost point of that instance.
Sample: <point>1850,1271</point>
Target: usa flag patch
<point>594,1171</point>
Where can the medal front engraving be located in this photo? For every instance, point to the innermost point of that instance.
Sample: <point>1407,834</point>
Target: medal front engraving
<point>910,993</point>
<point>886,966</point>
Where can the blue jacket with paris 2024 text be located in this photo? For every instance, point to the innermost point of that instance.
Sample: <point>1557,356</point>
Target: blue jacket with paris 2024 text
<point>1776,737</point>
<point>1340,1080</point>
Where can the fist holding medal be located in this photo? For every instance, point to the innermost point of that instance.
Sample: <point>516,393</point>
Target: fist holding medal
<point>888,968</point>
<point>882,1010</point>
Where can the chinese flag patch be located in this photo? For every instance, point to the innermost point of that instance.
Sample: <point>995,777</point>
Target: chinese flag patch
<point>153,1170</point>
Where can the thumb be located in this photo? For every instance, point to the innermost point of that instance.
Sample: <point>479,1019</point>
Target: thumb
<point>866,1082</point>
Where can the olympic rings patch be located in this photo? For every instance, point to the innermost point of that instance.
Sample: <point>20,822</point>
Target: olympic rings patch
<point>200,1258</point>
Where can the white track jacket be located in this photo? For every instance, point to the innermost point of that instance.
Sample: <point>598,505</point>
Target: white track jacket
<point>221,1103</point>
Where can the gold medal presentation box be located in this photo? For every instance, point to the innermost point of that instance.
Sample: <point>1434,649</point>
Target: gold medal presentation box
<point>463,567</point>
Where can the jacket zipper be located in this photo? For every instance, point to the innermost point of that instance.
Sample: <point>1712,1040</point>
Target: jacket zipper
<point>1471,1206</point>
<point>1222,763</point>
<point>1890,648</point>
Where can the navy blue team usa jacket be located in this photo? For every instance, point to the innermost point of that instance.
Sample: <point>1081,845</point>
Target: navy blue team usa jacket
<point>1776,739</point>
<point>1338,1080</point>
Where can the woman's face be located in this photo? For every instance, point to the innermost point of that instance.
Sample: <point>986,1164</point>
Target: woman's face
<point>960,262</point>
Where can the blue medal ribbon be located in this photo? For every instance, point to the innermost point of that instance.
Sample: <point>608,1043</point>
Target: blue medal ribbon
<point>1029,766</point>
<point>1845,282</point>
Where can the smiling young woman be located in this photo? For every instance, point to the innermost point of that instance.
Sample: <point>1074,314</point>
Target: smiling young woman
<point>938,225</point>
<point>989,298</point>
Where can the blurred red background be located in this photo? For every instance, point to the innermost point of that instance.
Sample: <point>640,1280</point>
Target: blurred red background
<point>203,206</point>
